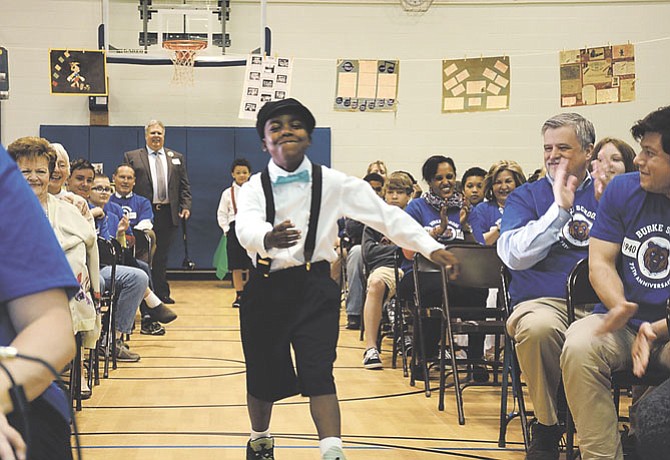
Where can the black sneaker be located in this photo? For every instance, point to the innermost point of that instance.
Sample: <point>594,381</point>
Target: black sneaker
<point>371,359</point>
<point>150,327</point>
<point>354,322</point>
<point>544,442</point>
<point>236,303</point>
<point>261,448</point>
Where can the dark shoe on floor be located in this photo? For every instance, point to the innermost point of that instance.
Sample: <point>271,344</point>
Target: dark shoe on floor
<point>371,359</point>
<point>261,449</point>
<point>354,322</point>
<point>150,327</point>
<point>124,354</point>
<point>166,299</point>
<point>236,303</point>
<point>544,442</point>
<point>162,314</point>
<point>480,374</point>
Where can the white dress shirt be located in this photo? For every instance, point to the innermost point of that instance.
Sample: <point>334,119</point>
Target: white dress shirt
<point>342,195</point>
<point>226,212</point>
<point>152,166</point>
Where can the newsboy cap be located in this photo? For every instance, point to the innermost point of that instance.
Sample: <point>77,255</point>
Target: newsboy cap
<point>283,107</point>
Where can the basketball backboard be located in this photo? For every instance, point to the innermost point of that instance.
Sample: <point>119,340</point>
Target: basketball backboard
<point>134,30</point>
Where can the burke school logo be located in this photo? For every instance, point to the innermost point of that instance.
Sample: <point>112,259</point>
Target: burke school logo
<point>653,258</point>
<point>576,232</point>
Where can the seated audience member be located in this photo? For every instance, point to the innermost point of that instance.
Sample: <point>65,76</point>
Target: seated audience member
<point>114,224</point>
<point>378,167</point>
<point>131,282</point>
<point>503,177</point>
<point>379,258</point>
<point>416,188</point>
<point>544,233</point>
<point>439,211</point>
<point>611,157</point>
<point>628,269</point>
<point>238,259</point>
<point>35,319</point>
<point>472,184</point>
<point>355,272</point>
<point>36,160</point>
<point>57,183</point>
<point>135,207</point>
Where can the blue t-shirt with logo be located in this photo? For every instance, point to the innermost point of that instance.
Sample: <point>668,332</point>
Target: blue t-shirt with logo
<point>548,277</point>
<point>136,207</point>
<point>484,216</point>
<point>429,217</point>
<point>31,260</point>
<point>639,222</point>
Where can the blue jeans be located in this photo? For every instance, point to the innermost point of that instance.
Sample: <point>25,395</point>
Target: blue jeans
<point>131,284</point>
<point>356,295</point>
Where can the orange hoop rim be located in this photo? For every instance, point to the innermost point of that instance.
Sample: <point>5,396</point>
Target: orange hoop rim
<point>185,45</point>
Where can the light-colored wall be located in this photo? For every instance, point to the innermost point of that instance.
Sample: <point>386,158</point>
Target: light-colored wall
<point>317,33</point>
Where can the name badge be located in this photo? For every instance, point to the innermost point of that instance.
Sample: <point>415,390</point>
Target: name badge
<point>176,161</point>
<point>132,215</point>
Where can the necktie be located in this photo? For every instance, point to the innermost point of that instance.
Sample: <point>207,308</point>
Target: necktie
<point>160,177</point>
<point>302,176</point>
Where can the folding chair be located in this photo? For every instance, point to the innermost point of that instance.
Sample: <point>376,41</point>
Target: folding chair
<point>399,308</point>
<point>109,254</point>
<point>75,375</point>
<point>479,269</point>
<point>144,245</point>
<point>582,295</point>
<point>511,371</point>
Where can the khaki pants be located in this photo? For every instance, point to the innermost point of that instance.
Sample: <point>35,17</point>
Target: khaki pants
<point>588,362</point>
<point>538,327</point>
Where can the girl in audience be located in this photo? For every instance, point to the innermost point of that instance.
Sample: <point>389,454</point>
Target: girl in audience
<point>503,177</point>
<point>611,157</point>
<point>440,211</point>
<point>36,160</point>
<point>378,167</point>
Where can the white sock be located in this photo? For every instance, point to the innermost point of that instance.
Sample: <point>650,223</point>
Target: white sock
<point>259,434</point>
<point>152,300</point>
<point>327,443</point>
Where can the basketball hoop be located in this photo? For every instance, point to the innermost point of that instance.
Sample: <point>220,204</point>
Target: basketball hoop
<point>183,58</point>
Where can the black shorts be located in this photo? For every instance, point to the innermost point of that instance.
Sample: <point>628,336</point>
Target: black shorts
<point>238,259</point>
<point>290,308</point>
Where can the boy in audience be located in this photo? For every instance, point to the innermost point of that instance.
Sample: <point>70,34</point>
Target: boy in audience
<point>472,183</point>
<point>379,258</point>
<point>544,233</point>
<point>628,267</point>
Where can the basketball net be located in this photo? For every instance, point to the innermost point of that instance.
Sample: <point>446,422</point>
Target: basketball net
<point>183,53</point>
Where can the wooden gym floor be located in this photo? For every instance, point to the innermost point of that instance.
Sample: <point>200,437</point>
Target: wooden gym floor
<point>186,399</point>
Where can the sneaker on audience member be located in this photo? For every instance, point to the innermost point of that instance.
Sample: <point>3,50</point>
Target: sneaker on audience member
<point>334,453</point>
<point>353,322</point>
<point>544,442</point>
<point>151,327</point>
<point>124,354</point>
<point>371,359</point>
<point>261,449</point>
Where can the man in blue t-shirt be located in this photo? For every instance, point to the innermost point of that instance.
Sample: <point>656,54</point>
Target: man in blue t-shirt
<point>629,270</point>
<point>544,233</point>
<point>35,283</point>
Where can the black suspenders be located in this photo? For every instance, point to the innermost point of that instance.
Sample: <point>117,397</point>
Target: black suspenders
<point>263,264</point>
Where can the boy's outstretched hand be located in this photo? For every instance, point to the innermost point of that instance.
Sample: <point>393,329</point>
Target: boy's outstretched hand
<point>283,235</point>
<point>446,258</point>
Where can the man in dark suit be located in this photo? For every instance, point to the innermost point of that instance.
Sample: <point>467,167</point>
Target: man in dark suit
<point>160,176</point>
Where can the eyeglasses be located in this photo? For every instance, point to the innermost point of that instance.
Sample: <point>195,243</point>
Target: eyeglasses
<point>101,189</point>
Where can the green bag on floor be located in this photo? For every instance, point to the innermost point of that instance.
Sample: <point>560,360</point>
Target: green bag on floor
<point>220,260</point>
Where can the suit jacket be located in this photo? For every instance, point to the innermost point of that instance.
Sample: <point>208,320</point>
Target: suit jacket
<point>179,188</point>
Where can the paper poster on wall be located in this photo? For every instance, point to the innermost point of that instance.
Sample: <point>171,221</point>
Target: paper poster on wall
<point>266,79</point>
<point>600,75</point>
<point>475,85</point>
<point>78,72</point>
<point>367,85</point>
